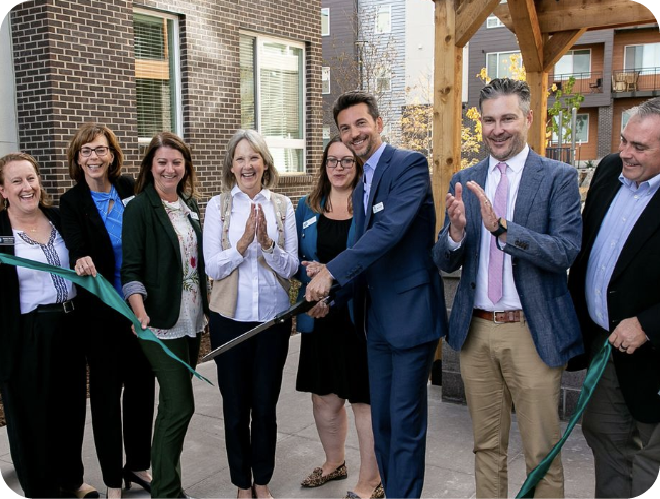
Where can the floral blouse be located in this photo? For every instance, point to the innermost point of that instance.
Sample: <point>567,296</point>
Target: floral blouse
<point>191,316</point>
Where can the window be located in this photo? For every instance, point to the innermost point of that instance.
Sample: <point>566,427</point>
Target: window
<point>384,81</point>
<point>325,80</point>
<point>272,97</point>
<point>156,43</point>
<point>384,19</point>
<point>581,130</point>
<point>499,64</point>
<point>326,135</point>
<point>574,62</point>
<point>640,57</point>
<point>325,22</point>
<point>494,22</point>
<point>625,116</point>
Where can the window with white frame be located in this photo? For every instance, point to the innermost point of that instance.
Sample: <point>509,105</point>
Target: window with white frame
<point>326,135</point>
<point>157,79</point>
<point>384,81</point>
<point>494,22</point>
<point>625,116</point>
<point>581,129</point>
<point>384,19</point>
<point>641,57</point>
<point>272,96</point>
<point>325,22</point>
<point>500,65</point>
<point>325,80</point>
<point>574,62</point>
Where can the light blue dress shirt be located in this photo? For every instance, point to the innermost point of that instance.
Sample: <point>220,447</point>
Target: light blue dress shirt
<point>625,210</point>
<point>369,170</point>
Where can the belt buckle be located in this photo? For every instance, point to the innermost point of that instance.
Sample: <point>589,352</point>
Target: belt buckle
<point>68,306</point>
<point>496,321</point>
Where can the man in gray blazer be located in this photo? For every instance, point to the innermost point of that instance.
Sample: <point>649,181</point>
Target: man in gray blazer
<point>515,231</point>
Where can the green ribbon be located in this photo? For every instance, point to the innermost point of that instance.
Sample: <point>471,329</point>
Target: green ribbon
<point>594,374</point>
<point>100,287</point>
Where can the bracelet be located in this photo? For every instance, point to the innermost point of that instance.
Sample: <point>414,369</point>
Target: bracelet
<point>269,250</point>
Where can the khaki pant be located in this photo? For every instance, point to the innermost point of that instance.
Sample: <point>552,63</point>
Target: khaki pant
<point>500,367</point>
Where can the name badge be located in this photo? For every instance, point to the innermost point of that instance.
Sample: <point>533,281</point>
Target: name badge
<point>126,200</point>
<point>6,240</point>
<point>378,207</point>
<point>309,222</point>
<point>194,216</point>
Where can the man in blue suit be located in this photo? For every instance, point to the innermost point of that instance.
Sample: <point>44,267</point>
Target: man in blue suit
<point>398,293</point>
<point>515,231</point>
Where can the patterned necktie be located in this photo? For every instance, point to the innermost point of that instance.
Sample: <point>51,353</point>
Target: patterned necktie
<point>496,260</point>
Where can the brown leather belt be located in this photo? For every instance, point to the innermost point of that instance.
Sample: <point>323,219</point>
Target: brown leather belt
<point>498,317</point>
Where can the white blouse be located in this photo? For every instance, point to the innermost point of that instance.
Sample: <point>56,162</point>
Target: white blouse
<point>41,288</point>
<point>260,294</point>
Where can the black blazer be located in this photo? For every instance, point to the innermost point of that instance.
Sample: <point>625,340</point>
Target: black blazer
<point>10,305</point>
<point>151,255</point>
<point>85,234</point>
<point>633,290</point>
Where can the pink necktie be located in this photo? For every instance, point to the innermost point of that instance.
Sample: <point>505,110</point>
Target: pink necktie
<point>496,260</point>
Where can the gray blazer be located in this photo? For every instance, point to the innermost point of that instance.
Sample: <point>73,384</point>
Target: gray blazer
<point>543,239</point>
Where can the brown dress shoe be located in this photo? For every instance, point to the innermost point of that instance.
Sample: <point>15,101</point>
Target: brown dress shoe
<point>316,478</point>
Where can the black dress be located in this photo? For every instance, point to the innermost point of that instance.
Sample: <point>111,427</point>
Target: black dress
<point>333,358</point>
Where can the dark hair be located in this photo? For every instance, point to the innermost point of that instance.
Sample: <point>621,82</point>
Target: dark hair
<point>507,86</point>
<point>44,201</point>
<point>187,185</point>
<point>270,176</point>
<point>85,134</point>
<point>323,186</point>
<point>353,98</point>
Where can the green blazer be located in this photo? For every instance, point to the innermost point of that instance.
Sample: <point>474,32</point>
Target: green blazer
<point>151,257</point>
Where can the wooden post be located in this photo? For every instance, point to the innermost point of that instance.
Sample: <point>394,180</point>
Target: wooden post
<point>538,84</point>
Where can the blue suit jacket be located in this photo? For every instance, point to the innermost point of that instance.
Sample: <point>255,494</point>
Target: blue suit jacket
<point>307,239</point>
<point>392,254</point>
<point>543,239</point>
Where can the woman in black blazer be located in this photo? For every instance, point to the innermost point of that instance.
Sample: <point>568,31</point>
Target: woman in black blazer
<point>92,218</point>
<point>42,364</point>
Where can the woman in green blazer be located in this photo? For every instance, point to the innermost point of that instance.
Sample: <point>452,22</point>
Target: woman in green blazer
<point>165,283</point>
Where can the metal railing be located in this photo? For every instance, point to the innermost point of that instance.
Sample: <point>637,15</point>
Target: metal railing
<point>559,153</point>
<point>634,80</point>
<point>585,83</point>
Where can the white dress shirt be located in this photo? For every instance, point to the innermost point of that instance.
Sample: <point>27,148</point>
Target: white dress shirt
<point>260,294</point>
<point>510,299</point>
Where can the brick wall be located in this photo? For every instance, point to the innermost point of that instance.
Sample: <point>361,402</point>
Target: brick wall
<point>74,62</point>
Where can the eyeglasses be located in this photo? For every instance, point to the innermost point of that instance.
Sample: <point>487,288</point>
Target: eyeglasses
<point>100,151</point>
<point>346,163</point>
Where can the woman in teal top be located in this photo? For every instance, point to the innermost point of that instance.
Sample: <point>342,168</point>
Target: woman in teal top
<point>333,357</point>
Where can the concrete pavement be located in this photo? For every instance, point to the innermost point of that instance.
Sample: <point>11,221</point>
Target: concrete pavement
<point>449,458</point>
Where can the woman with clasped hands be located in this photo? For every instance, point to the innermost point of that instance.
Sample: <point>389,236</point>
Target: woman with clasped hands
<point>251,250</point>
<point>92,215</point>
<point>164,281</point>
<point>42,362</point>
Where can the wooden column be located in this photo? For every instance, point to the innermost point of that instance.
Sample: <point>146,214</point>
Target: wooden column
<point>538,84</point>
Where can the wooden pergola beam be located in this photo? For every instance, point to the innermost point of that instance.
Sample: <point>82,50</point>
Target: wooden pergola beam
<point>558,45</point>
<point>470,15</point>
<point>554,17</point>
<point>530,39</point>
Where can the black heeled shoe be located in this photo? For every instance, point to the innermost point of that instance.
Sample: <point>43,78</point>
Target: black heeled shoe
<point>129,477</point>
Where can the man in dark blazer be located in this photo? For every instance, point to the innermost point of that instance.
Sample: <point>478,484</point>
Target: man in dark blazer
<point>615,283</point>
<point>398,297</point>
<point>515,231</point>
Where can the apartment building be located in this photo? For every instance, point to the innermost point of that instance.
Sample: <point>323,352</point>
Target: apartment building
<point>614,69</point>
<point>199,68</point>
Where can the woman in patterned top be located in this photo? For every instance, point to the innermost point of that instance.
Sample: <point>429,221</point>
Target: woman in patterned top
<point>42,363</point>
<point>164,281</point>
<point>92,215</point>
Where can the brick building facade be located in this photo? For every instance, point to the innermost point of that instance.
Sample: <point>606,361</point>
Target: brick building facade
<point>82,60</point>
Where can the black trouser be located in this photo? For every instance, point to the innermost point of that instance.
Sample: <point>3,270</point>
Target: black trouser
<point>250,378</point>
<point>44,402</point>
<point>115,361</point>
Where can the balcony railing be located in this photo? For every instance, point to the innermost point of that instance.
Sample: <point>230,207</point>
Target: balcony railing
<point>635,80</point>
<point>585,83</point>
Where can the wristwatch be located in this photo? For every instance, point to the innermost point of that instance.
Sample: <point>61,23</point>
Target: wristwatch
<point>501,227</point>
